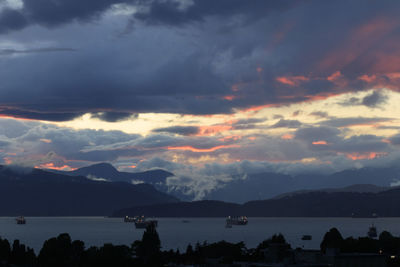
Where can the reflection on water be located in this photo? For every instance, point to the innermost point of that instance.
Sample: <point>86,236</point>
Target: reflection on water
<point>179,232</point>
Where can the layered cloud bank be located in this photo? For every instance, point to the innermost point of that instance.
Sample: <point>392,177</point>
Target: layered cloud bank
<point>206,89</point>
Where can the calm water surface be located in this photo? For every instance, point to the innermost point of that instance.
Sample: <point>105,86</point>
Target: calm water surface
<point>174,233</point>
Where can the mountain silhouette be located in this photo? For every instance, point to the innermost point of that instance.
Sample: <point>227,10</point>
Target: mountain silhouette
<point>34,192</point>
<point>308,204</point>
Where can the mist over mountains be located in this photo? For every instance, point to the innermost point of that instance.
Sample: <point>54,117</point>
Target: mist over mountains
<point>254,187</point>
<point>102,190</point>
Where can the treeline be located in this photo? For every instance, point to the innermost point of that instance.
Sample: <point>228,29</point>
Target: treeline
<point>61,251</point>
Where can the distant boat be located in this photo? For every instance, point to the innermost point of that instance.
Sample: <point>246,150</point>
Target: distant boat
<point>20,220</point>
<point>185,221</point>
<point>372,232</point>
<point>236,220</point>
<point>142,222</point>
<point>306,237</point>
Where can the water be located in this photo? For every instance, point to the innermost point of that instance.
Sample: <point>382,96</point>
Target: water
<point>174,233</point>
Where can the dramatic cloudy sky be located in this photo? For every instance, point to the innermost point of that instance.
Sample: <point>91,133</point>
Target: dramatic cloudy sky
<point>203,88</point>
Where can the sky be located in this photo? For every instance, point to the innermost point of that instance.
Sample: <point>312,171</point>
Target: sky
<point>206,89</point>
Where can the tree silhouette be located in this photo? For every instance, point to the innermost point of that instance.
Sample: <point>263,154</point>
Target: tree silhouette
<point>61,251</point>
<point>5,250</point>
<point>149,248</point>
<point>332,239</point>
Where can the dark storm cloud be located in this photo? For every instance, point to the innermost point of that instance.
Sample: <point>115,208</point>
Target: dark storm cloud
<point>114,116</point>
<point>11,20</point>
<point>173,13</point>
<point>287,124</point>
<point>375,99</point>
<point>347,122</point>
<point>246,124</point>
<point>320,114</point>
<point>53,13</point>
<point>395,140</point>
<point>46,116</point>
<point>323,133</point>
<point>249,121</point>
<point>362,143</point>
<point>182,130</point>
<point>8,52</point>
<point>58,12</point>
<point>238,54</point>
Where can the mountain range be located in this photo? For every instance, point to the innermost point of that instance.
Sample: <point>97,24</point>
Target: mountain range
<point>257,186</point>
<point>34,192</point>
<point>101,190</point>
<point>268,185</point>
<point>308,204</point>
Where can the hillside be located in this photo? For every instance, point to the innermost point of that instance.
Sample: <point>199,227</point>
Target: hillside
<point>39,193</point>
<point>309,204</point>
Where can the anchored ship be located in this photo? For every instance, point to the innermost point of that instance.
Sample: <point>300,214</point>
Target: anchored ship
<point>20,220</point>
<point>142,222</point>
<point>236,220</point>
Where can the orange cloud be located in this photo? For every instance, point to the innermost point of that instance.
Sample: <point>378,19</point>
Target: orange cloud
<point>201,150</point>
<point>287,136</point>
<point>320,143</point>
<point>393,75</point>
<point>368,155</point>
<point>367,79</point>
<point>7,160</point>
<point>334,76</point>
<point>15,117</point>
<point>292,80</point>
<point>51,166</point>
<point>229,97</point>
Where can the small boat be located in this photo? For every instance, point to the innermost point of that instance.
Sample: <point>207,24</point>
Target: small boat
<point>142,222</point>
<point>306,237</point>
<point>372,232</point>
<point>185,221</point>
<point>237,220</point>
<point>20,220</point>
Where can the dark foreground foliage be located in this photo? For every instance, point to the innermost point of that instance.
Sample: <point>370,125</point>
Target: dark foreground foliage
<point>61,251</point>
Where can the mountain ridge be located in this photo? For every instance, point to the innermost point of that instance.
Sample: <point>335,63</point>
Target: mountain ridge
<point>40,193</point>
<point>310,204</point>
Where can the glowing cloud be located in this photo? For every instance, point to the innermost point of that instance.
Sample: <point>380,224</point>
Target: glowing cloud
<point>320,143</point>
<point>52,166</point>
<point>201,150</point>
<point>287,136</point>
<point>368,155</point>
<point>292,80</point>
